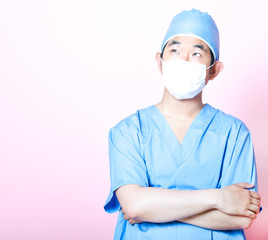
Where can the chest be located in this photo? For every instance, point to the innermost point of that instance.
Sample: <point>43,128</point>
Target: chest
<point>195,164</point>
<point>179,127</point>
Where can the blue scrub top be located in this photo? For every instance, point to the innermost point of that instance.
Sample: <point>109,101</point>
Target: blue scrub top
<point>216,151</point>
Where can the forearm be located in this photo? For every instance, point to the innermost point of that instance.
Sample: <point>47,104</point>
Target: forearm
<point>164,205</point>
<point>217,220</point>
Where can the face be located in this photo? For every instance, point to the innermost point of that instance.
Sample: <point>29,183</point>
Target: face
<point>189,49</point>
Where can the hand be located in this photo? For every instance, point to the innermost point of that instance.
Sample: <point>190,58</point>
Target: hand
<point>237,200</point>
<point>130,220</point>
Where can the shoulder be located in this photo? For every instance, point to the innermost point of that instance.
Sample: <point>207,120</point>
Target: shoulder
<point>134,120</point>
<point>227,122</point>
<point>134,125</point>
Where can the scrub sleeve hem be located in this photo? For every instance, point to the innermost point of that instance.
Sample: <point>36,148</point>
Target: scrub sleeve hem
<point>112,204</point>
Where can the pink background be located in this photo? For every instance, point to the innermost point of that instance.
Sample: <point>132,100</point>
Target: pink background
<point>70,70</point>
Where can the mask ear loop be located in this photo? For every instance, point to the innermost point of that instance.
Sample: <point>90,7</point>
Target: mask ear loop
<point>211,65</point>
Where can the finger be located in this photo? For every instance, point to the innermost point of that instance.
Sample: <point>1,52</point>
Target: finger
<point>122,210</point>
<point>133,221</point>
<point>254,195</point>
<point>254,208</point>
<point>250,214</point>
<point>245,185</point>
<point>126,217</point>
<point>255,201</point>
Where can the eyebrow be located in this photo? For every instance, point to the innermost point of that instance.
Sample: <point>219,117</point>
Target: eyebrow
<point>173,42</point>
<point>201,46</point>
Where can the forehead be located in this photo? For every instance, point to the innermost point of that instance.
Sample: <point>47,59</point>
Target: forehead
<point>187,41</point>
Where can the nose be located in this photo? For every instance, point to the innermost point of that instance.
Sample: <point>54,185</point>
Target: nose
<point>184,56</point>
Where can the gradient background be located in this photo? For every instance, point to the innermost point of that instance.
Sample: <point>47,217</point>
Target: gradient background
<point>70,70</point>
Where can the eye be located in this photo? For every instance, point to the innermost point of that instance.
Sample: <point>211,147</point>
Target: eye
<point>174,51</point>
<point>196,54</point>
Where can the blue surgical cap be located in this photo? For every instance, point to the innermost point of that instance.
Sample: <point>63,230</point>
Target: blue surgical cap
<point>196,24</point>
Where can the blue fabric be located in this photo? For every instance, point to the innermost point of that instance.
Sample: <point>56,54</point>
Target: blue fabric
<point>198,24</point>
<point>216,151</point>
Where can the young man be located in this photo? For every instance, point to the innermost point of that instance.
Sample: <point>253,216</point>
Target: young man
<point>182,169</point>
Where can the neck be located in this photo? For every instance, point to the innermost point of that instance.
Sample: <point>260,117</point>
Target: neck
<point>187,108</point>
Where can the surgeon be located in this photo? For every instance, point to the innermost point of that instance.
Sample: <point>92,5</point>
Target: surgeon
<point>182,169</point>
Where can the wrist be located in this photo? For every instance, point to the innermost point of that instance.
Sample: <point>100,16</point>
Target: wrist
<point>215,198</point>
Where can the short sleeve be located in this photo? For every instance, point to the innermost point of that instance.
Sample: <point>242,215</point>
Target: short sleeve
<point>126,164</point>
<point>242,166</point>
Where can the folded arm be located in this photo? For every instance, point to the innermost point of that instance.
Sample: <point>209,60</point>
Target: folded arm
<point>230,208</point>
<point>217,220</point>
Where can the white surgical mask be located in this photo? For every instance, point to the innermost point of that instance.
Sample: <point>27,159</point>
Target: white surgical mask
<point>183,79</point>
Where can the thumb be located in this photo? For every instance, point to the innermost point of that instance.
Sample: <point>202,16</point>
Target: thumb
<point>245,185</point>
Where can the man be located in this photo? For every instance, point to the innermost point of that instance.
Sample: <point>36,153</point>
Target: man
<point>182,169</point>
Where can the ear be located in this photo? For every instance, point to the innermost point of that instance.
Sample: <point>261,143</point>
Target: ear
<point>215,70</point>
<point>158,61</point>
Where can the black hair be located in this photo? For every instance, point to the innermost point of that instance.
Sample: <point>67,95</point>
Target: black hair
<point>212,57</point>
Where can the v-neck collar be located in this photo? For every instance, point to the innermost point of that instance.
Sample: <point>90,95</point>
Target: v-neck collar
<point>194,132</point>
